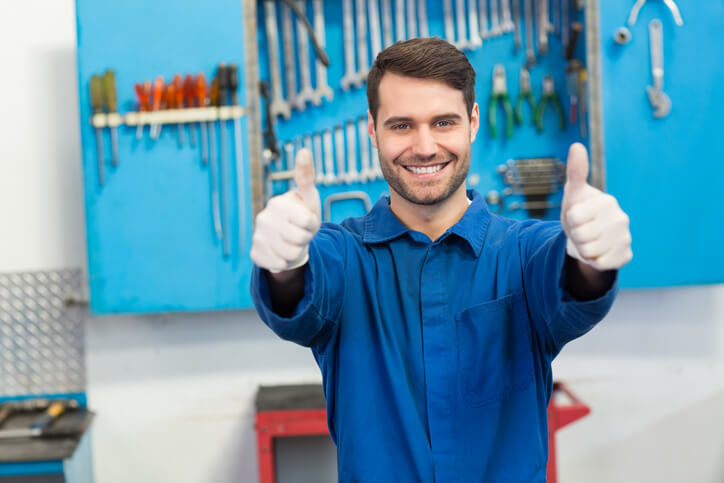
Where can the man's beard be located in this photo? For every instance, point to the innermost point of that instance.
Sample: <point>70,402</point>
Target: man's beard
<point>423,195</point>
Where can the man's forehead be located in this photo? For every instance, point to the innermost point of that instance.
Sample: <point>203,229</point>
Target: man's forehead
<point>411,97</point>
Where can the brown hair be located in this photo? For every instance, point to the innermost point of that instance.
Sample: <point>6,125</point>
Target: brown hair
<point>423,58</point>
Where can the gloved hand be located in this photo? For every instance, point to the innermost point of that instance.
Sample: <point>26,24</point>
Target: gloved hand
<point>284,229</point>
<point>596,226</point>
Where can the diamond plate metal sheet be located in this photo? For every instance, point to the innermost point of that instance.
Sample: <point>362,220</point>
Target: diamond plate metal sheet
<point>42,345</point>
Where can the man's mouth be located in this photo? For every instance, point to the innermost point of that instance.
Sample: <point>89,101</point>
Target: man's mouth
<point>421,170</point>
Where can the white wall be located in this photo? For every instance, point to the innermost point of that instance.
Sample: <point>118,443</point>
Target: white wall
<point>174,393</point>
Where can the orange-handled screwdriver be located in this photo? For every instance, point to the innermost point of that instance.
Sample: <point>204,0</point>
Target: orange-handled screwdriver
<point>178,103</point>
<point>200,92</point>
<point>158,94</point>
<point>189,97</point>
<point>143,92</point>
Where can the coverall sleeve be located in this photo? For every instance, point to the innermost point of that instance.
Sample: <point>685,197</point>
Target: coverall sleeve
<point>317,314</point>
<point>556,315</point>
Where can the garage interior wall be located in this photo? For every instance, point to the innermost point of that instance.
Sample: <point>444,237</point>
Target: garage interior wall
<point>174,392</point>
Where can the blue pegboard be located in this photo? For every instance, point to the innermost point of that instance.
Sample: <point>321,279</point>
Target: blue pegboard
<point>666,173</point>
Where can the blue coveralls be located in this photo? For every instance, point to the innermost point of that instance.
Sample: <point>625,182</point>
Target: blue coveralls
<point>436,355</point>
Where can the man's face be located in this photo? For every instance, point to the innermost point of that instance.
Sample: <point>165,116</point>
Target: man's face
<point>423,136</point>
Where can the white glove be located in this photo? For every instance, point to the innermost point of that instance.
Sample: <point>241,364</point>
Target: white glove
<point>596,226</point>
<point>284,229</point>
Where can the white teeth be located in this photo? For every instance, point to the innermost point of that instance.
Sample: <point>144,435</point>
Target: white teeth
<point>426,169</point>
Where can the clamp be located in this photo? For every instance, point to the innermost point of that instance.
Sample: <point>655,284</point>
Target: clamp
<point>500,93</point>
<point>549,95</point>
<point>526,94</point>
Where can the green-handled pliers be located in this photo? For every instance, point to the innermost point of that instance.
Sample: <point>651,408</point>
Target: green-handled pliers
<point>549,95</point>
<point>500,94</point>
<point>526,94</point>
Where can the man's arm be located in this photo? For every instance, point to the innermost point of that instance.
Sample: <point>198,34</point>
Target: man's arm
<point>286,290</point>
<point>584,282</point>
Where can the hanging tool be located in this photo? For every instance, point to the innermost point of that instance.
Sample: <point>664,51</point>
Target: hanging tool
<point>387,33</point>
<point>345,195</point>
<point>463,42</point>
<point>111,102</point>
<point>422,18</point>
<point>169,96</point>
<point>366,173</point>
<point>216,213</point>
<point>352,172</point>
<point>375,34</point>
<point>400,20</point>
<point>348,24</point>
<point>411,19</point>
<point>526,94</point>
<point>339,154</point>
<point>565,7</point>
<point>529,48</point>
<point>318,169</point>
<point>329,176</point>
<point>306,92</point>
<point>500,95</point>
<point>573,73</point>
<point>155,129</point>
<point>290,70</point>
<point>449,22</point>
<point>179,104</point>
<point>517,39</point>
<point>475,40</point>
<point>507,19</point>
<point>189,96</point>
<point>233,70</point>
<point>495,27</point>
<point>363,65</point>
<point>671,4</point>
<point>278,105</point>
<point>659,100</point>
<point>582,104</point>
<point>323,90</point>
<point>483,17</point>
<point>576,29</point>
<point>143,92</point>
<point>203,101</point>
<point>542,26</point>
<point>222,74</point>
<point>549,95</point>
<point>96,98</point>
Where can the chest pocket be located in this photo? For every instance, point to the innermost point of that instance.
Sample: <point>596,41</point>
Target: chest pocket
<point>494,350</point>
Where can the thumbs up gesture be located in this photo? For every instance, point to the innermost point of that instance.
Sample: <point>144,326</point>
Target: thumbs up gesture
<point>596,226</point>
<point>284,229</point>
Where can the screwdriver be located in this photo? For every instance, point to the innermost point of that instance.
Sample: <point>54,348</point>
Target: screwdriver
<point>222,75</point>
<point>143,92</point>
<point>214,95</point>
<point>200,90</point>
<point>157,98</point>
<point>109,91</point>
<point>233,87</point>
<point>169,96</point>
<point>96,96</point>
<point>189,98</point>
<point>179,104</point>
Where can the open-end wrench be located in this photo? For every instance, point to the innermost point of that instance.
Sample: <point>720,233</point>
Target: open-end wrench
<point>516,25</point>
<point>318,171</point>
<point>350,75</point>
<point>306,92</point>
<point>289,156</point>
<point>557,16</point>
<point>542,27</point>
<point>483,16</point>
<point>363,65</point>
<point>278,104</point>
<point>659,100</point>
<point>290,70</point>
<point>352,172</point>
<point>387,34</point>
<point>411,19</point>
<point>508,25</point>
<point>400,20</point>
<point>329,176</point>
<point>375,36</point>
<point>529,48</point>
<point>323,90</point>
<point>474,28</point>
<point>422,17</point>
<point>339,154</point>
<point>364,151</point>
<point>462,39</point>
<point>495,27</point>
<point>565,7</point>
<point>449,22</point>
<point>376,169</point>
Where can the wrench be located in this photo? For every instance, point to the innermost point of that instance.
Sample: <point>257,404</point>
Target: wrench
<point>376,169</point>
<point>323,90</point>
<point>290,71</point>
<point>329,176</point>
<point>449,23</point>
<point>475,40</point>
<point>564,23</point>
<point>542,6</point>
<point>659,100</point>
<point>495,27</point>
<point>348,21</point>
<point>375,38</point>
<point>462,42</point>
<point>318,172</point>
<point>339,154</point>
<point>529,48</point>
<point>278,104</point>
<point>411,20</point>
<point>362,57</point>
<point>352,174</point>
<point>556,16</point>
<point>289,156</point>
<point>422,16</point>
<point>364,149</point>
<point>483,7</point>
<point>305,92</point>
<point>507,20</point>
<point>387,23</point>
<point>516,24</point>
<point>400,19</point>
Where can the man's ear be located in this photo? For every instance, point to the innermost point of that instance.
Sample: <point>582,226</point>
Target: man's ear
<point>371,129</point>
<point>474,122</point>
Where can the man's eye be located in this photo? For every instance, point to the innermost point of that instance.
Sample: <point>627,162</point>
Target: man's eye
<point>445,123</point>
<point>399,126</point>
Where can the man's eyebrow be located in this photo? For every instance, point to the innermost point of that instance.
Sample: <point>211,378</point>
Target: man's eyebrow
<point>396,119</point>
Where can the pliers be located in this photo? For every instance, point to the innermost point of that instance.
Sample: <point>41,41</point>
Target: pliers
<point>526,94</point>
<point>500,93</point>
<point>549,95</point>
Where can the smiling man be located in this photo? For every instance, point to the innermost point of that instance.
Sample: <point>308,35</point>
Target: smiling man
<point>433,321</point>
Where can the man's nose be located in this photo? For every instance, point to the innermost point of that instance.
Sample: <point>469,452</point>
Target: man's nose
<point>424,145</point>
